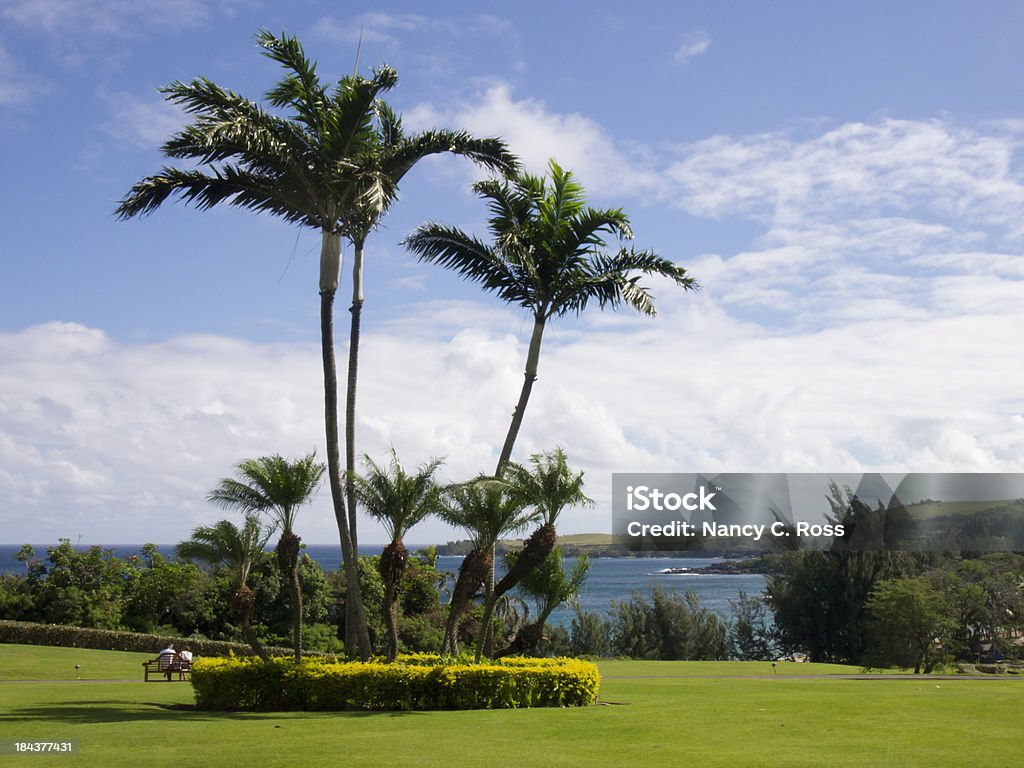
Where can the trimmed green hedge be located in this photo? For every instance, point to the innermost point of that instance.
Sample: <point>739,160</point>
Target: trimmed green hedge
<point>26,633</point>
<point>280,684</point>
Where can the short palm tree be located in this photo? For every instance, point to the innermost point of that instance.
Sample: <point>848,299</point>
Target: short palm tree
<point>237,549</point>
<point>487,511</point>
<point>548,257</point>
<point>549,486</point>
<point>277,487</point>
<point>399,501</point>
<point>332,163</point>
<point>550,586</point>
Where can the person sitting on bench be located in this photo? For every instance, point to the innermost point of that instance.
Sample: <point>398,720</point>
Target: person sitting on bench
<point>184,662</point>
<point>168,659</point>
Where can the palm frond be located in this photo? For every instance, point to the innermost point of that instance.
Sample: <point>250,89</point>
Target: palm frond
<point>270,484</point>
<point>231,184</point>
<point>470,258</point>
<point>485,509</point>
<point>397,499</point>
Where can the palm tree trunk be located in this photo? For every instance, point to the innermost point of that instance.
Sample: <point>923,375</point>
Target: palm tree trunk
<point>472,574</point>
<point>350,395</point>
<point>529,376</point>
<point>391,619</point>
<point>244,599</point>
<point>393,561</point>
<point>357,635</point>
<point>296,590</point>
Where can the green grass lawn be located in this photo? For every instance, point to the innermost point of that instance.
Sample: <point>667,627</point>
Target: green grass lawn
<point>664,714</point>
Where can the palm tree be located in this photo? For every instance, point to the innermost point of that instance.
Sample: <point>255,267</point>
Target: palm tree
<point>333,164</point>
<point>548,258</point>
<point>550,586</point>
<point>237,549</point>
<point>549,487</point>
<point>399,501</point>
<point>274,485</point>
<point>487,511</point>
<point>386,163</point>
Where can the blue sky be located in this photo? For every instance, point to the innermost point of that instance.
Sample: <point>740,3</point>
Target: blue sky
<point>844,179</point>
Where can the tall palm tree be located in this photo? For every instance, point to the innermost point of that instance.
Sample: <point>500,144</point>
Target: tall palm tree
<point>399,501</point>
<point>547,257</point>
<point>237,549</point>
<point>278,487</point>
<point>548,487</point>
<point>487,511</point>
<point>387,162</point>
<point>330,163</point>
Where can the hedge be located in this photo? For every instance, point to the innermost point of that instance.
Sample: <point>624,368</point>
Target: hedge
<point>409,684</point>
<point>27,633</point>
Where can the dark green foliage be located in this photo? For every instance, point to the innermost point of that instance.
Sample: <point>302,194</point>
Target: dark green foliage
<point>589,634</point>
<point>27,633</point>
<point>818,598</point>
<point>985,600</point>
<point>752,632</point>
<point>668,626</point>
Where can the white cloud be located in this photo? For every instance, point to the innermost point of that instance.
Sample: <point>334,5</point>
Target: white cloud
<point>692,45</point>
<point>145,123</point>
<point>536,134</point>
<point>122,441</point>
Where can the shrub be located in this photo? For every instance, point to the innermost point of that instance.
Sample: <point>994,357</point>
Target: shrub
<point>669,626</point>
<point>416,681</point>
<point>26,633</point>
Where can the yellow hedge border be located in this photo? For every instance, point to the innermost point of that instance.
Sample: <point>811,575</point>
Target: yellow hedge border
<point>422,681</point>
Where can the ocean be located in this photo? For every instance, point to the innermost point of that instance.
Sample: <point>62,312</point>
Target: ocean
<point>610,578</point>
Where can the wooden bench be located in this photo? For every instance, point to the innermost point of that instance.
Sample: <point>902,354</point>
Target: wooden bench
<point>166,667</point>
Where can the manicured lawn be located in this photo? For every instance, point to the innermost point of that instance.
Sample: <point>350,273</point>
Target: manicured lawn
<point>38,662</point>
<point>661,716</point>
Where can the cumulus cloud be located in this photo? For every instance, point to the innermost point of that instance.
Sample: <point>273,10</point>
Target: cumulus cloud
<point>122,441</point>
<point>536,134</point>
<point>692,45</point>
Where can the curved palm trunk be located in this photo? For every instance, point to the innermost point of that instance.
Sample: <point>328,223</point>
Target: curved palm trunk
<point>485,642</point>
<point>472,574</point>
<point>357,634</point>
<point>529,376</point>
<point>244,600</point>
<point>535,551</point>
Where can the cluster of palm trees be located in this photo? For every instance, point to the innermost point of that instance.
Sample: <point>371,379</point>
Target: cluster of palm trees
<point>331,157</point>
